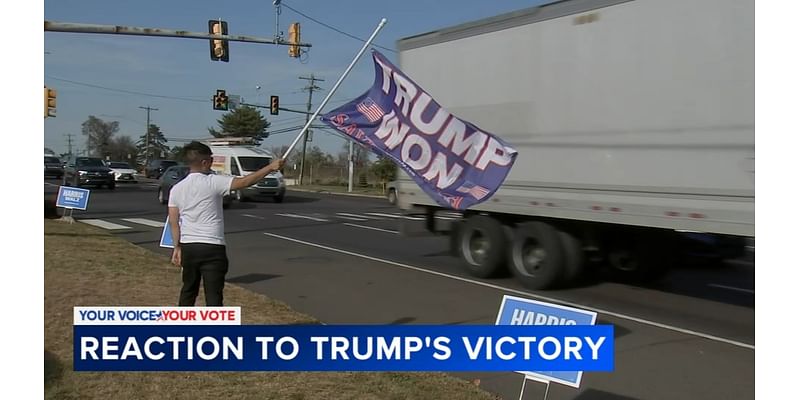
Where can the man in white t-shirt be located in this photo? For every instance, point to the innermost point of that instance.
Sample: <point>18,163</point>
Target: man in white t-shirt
<point>196,201</point>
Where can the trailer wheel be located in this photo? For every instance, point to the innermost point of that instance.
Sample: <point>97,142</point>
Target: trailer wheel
<point>481,244</point>
<point>641,258</point>
<point>537,255</point>
<point>574,258</point>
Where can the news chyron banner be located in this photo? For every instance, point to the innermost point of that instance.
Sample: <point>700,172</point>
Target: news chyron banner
<point>213,339</point>
<point>456,163</point>
<point>520,311</point>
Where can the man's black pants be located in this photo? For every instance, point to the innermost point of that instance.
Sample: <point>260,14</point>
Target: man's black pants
<point>206,261</point>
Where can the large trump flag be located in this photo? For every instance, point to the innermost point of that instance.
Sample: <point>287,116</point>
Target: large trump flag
<point>452,160</point>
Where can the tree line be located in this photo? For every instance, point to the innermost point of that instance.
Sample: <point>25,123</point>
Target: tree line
<point>102,140</point>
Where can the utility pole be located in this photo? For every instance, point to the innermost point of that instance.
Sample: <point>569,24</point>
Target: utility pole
<point>147,135</point>
<point>69,143</point>
<point>350,168</point>
<point>311,88</point>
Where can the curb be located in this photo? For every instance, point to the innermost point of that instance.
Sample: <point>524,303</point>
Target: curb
<point>290,188</point>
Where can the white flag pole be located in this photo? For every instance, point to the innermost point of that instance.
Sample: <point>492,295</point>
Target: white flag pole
<point>336,86</point>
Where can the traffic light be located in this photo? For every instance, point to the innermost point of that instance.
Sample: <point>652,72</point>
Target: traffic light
<point>273,105</point>
<point>49,102</point>
<point>219,48</point>
<point>294,40</point>
<point>221,101</point>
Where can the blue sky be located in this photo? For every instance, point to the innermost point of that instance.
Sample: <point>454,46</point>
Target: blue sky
<point>182,67</point>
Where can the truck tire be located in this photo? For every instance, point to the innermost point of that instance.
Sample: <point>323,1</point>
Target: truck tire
<point>537,255</point>
<point>639,258</point>
<point>482,244</point>
<point>574,257</point>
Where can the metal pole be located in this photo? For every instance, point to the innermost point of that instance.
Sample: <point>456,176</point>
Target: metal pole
<point>53,26</point>
<point>277,4</point>
<point>522,391</point>
<point>350,169</point>
<point>335,87</point>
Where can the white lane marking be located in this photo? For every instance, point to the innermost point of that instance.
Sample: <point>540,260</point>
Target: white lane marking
<point>384,215</point>
<point>535,296</point>
<point>104,224</point>
<point>252,216</point>
<point>396,216</point>
<point>350,218</point>
<point>303,217</point>
<point>371,227</point>
<point>361,217</point>
<point>143,221</point>
<point>732,288</point>
<point>51,184</point>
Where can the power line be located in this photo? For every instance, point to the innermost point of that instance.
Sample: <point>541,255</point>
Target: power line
<point>336,29</point>
<point>125,91</point>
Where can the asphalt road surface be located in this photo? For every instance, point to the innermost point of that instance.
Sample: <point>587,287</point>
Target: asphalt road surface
<point>342,260</point>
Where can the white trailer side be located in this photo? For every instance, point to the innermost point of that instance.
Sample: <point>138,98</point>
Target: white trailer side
<point>633,113</point>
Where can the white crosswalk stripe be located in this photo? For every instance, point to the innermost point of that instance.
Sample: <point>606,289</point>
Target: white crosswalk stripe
<point>143,221</point>
<point>104,224</point>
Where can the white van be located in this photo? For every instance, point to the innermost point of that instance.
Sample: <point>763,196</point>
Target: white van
<point>237,158</point>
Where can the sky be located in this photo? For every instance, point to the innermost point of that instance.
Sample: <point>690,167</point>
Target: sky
<point>94,74</point>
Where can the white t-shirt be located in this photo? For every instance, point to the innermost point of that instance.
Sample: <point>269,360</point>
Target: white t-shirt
<point>198,198</point>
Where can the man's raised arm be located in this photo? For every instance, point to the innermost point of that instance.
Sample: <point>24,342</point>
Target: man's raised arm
<point>252,178</point>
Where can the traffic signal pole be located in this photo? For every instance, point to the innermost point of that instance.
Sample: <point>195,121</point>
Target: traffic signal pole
<point>53,26</point>
<point>279,108</point>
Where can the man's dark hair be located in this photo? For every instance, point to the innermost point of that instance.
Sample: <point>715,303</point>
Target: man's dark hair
<point>195,152</point>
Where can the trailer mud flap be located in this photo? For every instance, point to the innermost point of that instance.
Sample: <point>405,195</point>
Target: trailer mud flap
<point>421,221</point>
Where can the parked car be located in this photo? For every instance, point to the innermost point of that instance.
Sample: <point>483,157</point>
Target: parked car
<point>123,172</point>
<point>156,168</point>
<point>175,174</point>
<point>53,167</point>
<point>82,171</point>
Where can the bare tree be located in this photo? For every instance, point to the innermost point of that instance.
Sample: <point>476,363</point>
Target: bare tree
<point>98,135</point>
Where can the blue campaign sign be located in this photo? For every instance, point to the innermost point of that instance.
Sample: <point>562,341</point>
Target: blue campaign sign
<point>74,198</point>
<point>166,236</point>
<point>520,311</point>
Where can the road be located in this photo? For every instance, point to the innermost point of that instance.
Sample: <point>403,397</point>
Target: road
<point>341,259</point>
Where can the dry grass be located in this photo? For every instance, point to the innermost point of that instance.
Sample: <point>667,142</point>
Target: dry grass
<point>85,266</point>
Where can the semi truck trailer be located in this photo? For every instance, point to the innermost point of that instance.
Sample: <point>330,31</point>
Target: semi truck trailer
<point>634,126</point>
